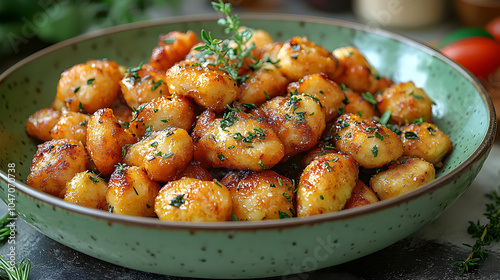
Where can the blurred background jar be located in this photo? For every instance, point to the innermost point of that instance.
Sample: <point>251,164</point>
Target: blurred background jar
<point>401,13</point>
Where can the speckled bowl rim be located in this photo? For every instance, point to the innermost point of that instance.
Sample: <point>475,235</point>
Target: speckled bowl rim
<point>482,150</point>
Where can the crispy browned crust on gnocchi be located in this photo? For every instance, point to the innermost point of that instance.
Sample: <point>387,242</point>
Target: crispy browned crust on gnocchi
<point>371,144</point>
<point>71,125</point>
<point>298,120</point>
<point>326,184</point>
<point>172,48</point>
<point>405,175</point>
<point>163,112</point>
<point>91,86</point>
<point>163,153</point>
<point>321,87</point>
<point>41,122</point>
<point>236,141</point>
<point>131,192</point>
<point>358,74</point>
<point>358,105</point>
<point>260,196</point>
<point>55,163</point>
<point>193,200</point>
<point>427,141</point>
<point>87,189</point>
<point>195,170</point>
<point>142,84</point>
<point>209,87</point>
<point>361,195</point>
<point>406,103</point>
<point>262,85</point>
<point>299,57</point>
<point>106,139</point>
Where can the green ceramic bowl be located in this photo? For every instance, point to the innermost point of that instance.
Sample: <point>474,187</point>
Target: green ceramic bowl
<point>244,249</point>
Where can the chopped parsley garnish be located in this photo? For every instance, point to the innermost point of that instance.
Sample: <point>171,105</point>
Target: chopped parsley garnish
<point>76,90</point>
<point>369,97</point>
<point>156,84</point>
<point>80,107</point>
<point>93,179</point>
<point>385,117</point>
<point>418,121</point>
<point>90,81</point>
<point>262,164</point>
<point>411,135</point>
<point>283,215</point>
<point>177,201</point>
<point>83,123</point>
<point>375,151</point>
<point>221,157</point>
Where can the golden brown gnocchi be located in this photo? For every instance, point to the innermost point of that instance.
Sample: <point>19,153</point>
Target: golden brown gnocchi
<point>258,196</point>
<point>208,86</point>
<point>142,84</point>
<point>404,175</point>
<point>91,86</point>
<point>162,153</point>
<point>194,200</point>
<point>426,141</point>
<point>71,125</point>
<point>237,140</point>
<point>41,122</point>
<point>326,184</point>
<point>406,103</point>
<point>131,192</point>
<point>298,120</point>
<point>163,112</point>
<point>87,189</point>
<point>55,163</point>
<point>371,144</point>
<point>106,139</point>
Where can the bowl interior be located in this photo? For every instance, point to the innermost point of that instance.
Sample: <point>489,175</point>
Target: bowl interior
<point>461,108</point>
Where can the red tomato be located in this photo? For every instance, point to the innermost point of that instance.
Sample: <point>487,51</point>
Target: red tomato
<point>493,27</point>
<point>479,55</point>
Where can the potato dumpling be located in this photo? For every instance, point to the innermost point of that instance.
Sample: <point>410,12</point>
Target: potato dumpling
<point>163,112</point>
<point>87,189</point>
<point>299,57</point>
<point>131,192</point>
<point>193,200</point>
<point>326,184</point>
<point>195,170</point>
<point>55,163</point>
<point>357,104</point>
<point>209,87</point>
<point>426,141</point>
<point>321,87</point>
<point>262,85</point>
<point>172,48</point>
<point>405,175</point>
<point>361,195</point>
<point>142,84</point>
<point>163,153</point>
<point>371,144</point>
<point>106,139</point>
<point>237,141</point>
<point>71,125</point>
<point>260,196</point>
<point>91,86</point>
<point>298,120</point>
<point>358,74</point>
<point>269,51</point>
<point>406,103</point>
<point>41,122</point>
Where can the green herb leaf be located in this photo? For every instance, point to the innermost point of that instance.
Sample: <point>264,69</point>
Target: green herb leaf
<point>177,201</point>
<point>411,135</point>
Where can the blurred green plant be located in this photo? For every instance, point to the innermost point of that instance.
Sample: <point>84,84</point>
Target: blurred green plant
<point>56,20</point>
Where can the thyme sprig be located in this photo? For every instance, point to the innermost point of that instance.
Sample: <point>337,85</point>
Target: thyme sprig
<point>4,228</point>
<point>485,234</point>
<point>13,272</point>
<point>229,58</point>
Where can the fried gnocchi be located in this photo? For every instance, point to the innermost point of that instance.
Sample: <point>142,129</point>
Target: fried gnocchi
<point>241,129</point>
